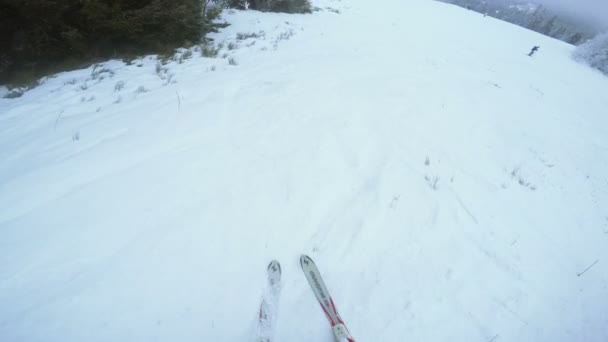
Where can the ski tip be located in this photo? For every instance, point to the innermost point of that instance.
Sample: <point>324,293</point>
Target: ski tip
<point>274,273</point>
<point>274,267</point>
<point>305,260</point>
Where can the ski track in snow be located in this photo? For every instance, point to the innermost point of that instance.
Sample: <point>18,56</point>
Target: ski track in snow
<point>449,187</point>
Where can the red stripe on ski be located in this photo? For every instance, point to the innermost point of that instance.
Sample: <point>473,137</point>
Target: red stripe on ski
<point>328,306</point>
<point>333,306</point>
<point>331,321</point>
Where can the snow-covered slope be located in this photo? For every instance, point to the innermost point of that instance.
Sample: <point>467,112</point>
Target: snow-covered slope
<point>450,187</point>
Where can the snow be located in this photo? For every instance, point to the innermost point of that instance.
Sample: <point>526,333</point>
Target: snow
<point>448,186</point>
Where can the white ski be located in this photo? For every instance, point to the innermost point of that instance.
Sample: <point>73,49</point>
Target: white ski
<point>318,287</point>
<point>270,302</point>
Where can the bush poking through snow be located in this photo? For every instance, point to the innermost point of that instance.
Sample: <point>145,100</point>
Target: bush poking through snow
<point>232,46</point>
<point>119,85</point>
<point>141,90</point>
<point>516,174</point>
<point>432,181</point>
<point>243,36</point>
<point>163,73</point>
<point>209,50</point>
<point>594,53</point>
<point>99,73</point>
<point>285,6</point>
<point>15,93</point>
<point>159,69</point>
<point>184,56</point>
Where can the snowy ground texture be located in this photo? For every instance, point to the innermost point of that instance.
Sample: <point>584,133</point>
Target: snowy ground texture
<point>449,187</point>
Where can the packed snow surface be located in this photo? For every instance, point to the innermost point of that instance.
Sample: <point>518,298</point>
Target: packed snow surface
<point>449,187</point>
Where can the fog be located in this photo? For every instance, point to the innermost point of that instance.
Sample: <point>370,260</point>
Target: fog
<point>596,10</point>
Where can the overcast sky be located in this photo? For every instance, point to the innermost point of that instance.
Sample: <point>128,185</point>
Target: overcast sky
<point>597,9</point>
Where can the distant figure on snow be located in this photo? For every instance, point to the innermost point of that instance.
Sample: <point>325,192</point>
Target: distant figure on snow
<point>534,49</point>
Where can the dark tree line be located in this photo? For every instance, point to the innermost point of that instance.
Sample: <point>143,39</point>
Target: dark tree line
<point>531,16</point>
<point>38,37</point>
<point>41,36</point>
<point>594,53</point>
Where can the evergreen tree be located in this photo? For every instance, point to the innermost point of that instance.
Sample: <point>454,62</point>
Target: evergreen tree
<point>38,36</point>
<point>594,53</point>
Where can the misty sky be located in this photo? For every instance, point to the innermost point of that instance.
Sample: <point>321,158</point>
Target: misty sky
<point>596,9</point>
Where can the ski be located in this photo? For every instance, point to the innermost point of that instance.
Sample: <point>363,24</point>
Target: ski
<point>318,287</point>
<point>269,304</point>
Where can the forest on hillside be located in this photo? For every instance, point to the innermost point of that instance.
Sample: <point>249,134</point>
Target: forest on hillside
<point>535,17</point>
